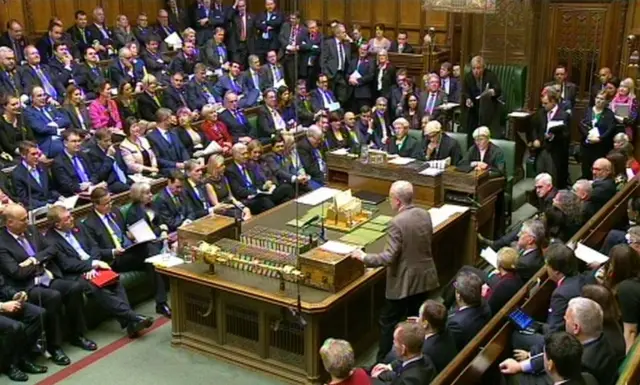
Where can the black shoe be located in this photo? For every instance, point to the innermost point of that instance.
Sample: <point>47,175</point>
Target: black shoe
<point>163,309</point>
<point>138,325</point>
<point>31,368</point>
<point>59,358</point>
<point>84,343</point>
<point>484,241</point>
<point>15,374</point>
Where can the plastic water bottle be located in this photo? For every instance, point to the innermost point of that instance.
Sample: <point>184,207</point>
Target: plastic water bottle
<point>165,250</point>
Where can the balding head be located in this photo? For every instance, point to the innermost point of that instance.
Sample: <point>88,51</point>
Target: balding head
<point>16,218</point>
<point>401,194</point>
<point>240,153</point>
<point>350,119</point>
<point>602,169</point>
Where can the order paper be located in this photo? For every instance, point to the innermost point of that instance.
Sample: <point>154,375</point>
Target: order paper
<point>142,232</point>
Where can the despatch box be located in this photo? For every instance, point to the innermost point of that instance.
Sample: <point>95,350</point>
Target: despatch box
<point>209,229</point>
<point>329,271</point>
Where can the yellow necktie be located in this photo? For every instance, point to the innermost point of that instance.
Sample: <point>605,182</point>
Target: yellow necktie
<point>115,239</point>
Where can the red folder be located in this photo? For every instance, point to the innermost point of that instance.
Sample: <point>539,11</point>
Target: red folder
<point>105,278</point>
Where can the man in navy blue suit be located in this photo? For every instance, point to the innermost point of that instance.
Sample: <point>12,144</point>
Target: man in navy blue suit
<point>46,43</point>
<point>448,83</point>
<point>233,82</point>
<point>168,148</point>
<point>36,74</point>
<point>235,120</point>
<point>72,169</point>
<point>174,96</point>
<point>200,90</point>
<point>45,122</point>
<point>322,97</point>
<point>31,183</point>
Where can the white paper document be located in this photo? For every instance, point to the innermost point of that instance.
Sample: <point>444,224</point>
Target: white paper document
<point>400,161</point>
<point>338,247</point>
<point>68,203</point>
<point>335,106</point>
<point>317,196</point>
<point>340,151</point>
<point>589,255</point>
<point>519,114</point>
<point>448,106</point>
<point>489,255</point>
<point>440,214</point>
<point>142,232</point>
<point>355,75</point>
<point>630,173</point>
<point>279,83</point>
<point>173,40</point>
<point>165,260</point>
<point>431,171</point>
<point>594,133</point>
<point>554,123</point>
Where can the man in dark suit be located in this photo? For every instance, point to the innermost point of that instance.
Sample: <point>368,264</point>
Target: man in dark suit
<point>567,91</point>
<point>309,59</point>
<point>430,100</point>
<point>268,24</point>
<point>334,63</point>
<point>416,368</point>
<point>311,157</point>
<point>322,98</point>
<point>382,129</point>
<point>270,121</point>
<point>80,260</point>
<point>385,76</point>
<point>252,79</point>
<point>200,90</point>
<point>168,148</point>
<point>543,185</point>
<point>208,17</point>
<point>604,76</point>
<point>34,74</point>
<point>101,34</point>
<point>400,45</point>
<point>241,34</point>
<point>214,53</point>
<point>45,122</point>
<point>272,75</point>
<point>102,156</point>
<point>235,120</point>
<point>585,325</point>
<point>163,27</point>
<point>170,204</point>
<point>20,327</point>
<point>155,63</point>
<point>603,187</point>
<point>107,228</point>
<point>79,33</point>
<point>402,87</point>
<point>404,144</point>
<point>62,65</point>
<point>14,38</point>
<point>291,38</point>
<point>302,102</point>
<point>31,183</point>
<point>481,92</point>
<point>232,81</point>
<point>245,184</point>
<point>142,30</point>
<point>45,43</point>
<point>122,69</point>
<point>448,83</point>
<point>90,76</point>
<point>361,71</point>
<point>185,61</point>
<point>10,77</point>
<point>281,166</point>
<point>411,271</point>
<point>177,17</point>
<point>550,134</point>
<point>72,169</point>
<point>470,313</point>
<point>437,145</point>
<point>175,95</point>
<point>26,261</point>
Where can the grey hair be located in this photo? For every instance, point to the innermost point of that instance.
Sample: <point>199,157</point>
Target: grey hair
<point>402,190</point>
<point>477,60</point>
<point>588,314</point>
<point>123,52</point>
<point>634,234</point>
<point>433,76</point>
<point>535,228</point>
<point>621,137</point>
<point>383,52</point>
<point>381,99</point>
<point>163,114</point>
<point>314,131</point>
<point>469,287</point>
<point>337,357</point>
<point>544,178</point>
<point>481,131</point>
<point>569,204</point>
<point>238,147</point>
<point>584,185</point>
<point>401,121</point>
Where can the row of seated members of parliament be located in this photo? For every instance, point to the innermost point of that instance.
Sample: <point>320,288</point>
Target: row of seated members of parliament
<point>43,272</point>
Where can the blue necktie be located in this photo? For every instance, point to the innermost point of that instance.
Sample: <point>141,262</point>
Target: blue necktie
<point>80,171</point>
<point>26,246</point>
<point>222,53</point>
<point>121,176</point>
<point>71,239</point>
<point>126,242</point>
<point>36,175</point>
<point>167,137</point>
<point>46,84</point>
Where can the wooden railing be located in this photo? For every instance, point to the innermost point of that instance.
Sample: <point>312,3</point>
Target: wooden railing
<point>493,341</point>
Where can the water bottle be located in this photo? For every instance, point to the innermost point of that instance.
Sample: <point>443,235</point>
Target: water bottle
<point>165,250</point>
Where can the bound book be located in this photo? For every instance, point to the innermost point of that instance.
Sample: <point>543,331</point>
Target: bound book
<point>105,278</point>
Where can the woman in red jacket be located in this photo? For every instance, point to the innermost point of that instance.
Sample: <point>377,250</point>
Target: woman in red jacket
<point>215,130</point>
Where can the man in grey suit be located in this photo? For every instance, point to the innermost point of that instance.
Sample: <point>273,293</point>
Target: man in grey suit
<point>411,271</point>
<point>334,62</point>
<point>431,99</point>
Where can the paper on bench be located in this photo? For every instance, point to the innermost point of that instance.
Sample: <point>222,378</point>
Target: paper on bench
<point>400,161</point>
<point>68,203</point>
<point>589,255</point>
<point>338,247</point>
<point>317,196</point>
<point>163,260</point>
<point>142,232</point>
<point>519,114</point>
<point>341,151</point>
<point>489,255</point>
<point>431,171</point>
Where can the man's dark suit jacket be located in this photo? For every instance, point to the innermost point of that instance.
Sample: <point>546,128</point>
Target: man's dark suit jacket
<point>454,89</point>
<point>466,323</point>
<point>304,111</point>
<point>317,102</point>
<point>503,290</point>
<point>12,254</point>
<point>174,99</point>
<point>181,63</point>
<point>30,79</point>
<point>98,232</point>
<point>90,79</point>
<point>119,75</point>
<point>436,112</point>
<point>408,48</point>
<point>309,56</point>
<point>308,160</point>
<point>155,63</point>
<point>266,75</point>
<point>44,45</point>
<point>388,80</point>
<point>261,24</point>
<point>247,83</point>
<point>416,372</point>
<point>95,34</point>
<point>235,32</point>
<point>439,347</point>
<point>285,35</point>
<point>11,86</point>
<point>485,111</point>
<point>210,56</point>
<point>67,180</point>
<point>168,154</point>
<point>448,148</point>
<point>68,259</point>
<point>571,287</point>
<point>528,264</point>
<point>195,207</point>
<point>366,68</point>
<point>62,74</point>
<point>76,37</point>
<point>239,186</point>
<point>280,167</point>
<point>197,96</point>
<point>18,50</point>
<point>102,166</point>
<point>237,127</point>
<point>147,107</point>
<point>266,125</point>
<point>170,214</point>
<point>602,190</point>
<point>570,92</point>
<point>31,193</point>
<point>136,212</point>
<point>410,148</point>
<point>329,57</point>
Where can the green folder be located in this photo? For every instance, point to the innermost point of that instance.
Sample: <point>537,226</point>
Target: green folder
<point>381,220</point>
<point>374,226</point>
<point>297,222</point>
<point>361,237</point>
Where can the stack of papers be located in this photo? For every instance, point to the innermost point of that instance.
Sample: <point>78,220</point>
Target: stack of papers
<point>68,203</point>
<point>490,256</point>
<point>165,260</point>
<point>440,164</point>
<point>441,214</point>
<point>341,151</point>
<point>317,196</point>
<point>400,161</point>
<point>338,247</point>
<point>589,255</point>
<point>142,232</point>
<point>431,171</point>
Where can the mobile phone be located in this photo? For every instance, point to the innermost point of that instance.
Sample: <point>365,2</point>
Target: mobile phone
<point>522,321</point>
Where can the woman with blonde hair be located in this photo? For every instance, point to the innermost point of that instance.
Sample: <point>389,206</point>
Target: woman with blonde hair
<point>76,109</point>
<point>219,192</point>
<point>136,150</point>
<point>149,99</point>
<point>625,106</point>
<point>339,361</point>
<point>505,283</point>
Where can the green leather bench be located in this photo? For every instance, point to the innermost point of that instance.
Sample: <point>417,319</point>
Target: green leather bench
<point>625,370</point>
<point>508,147</point>
<point>461,138</point>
